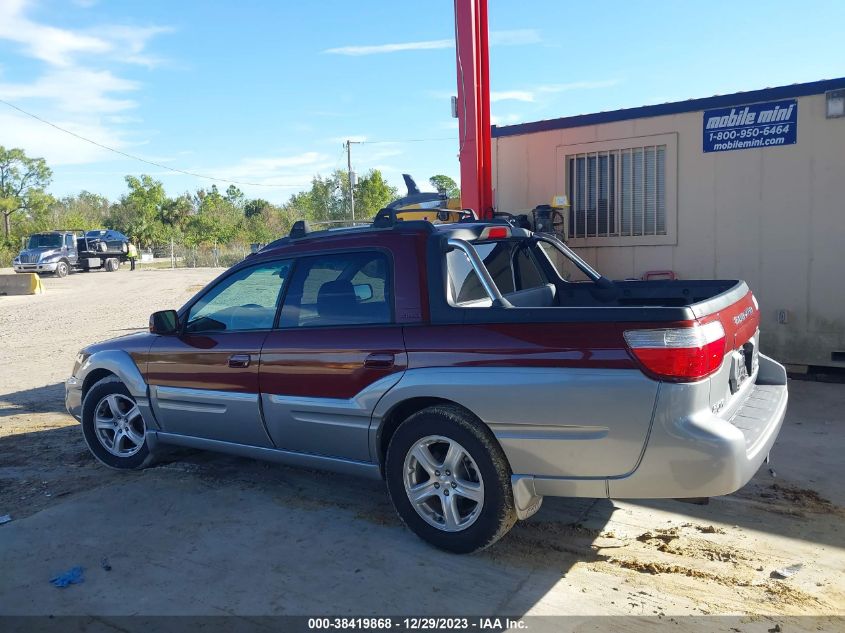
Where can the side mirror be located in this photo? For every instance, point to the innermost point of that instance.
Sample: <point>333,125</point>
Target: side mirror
<point>364,292</point>
<point>164,322</point>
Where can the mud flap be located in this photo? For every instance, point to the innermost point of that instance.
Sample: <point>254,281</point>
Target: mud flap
<point>525,499</point>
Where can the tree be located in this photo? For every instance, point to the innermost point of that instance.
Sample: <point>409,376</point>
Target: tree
<point>218,220</point>
<point>175,211</point>
<point>234,196</point>
<point>22,184</point>
<point>372,193</point>
<point>327,201</point>
<point>138,214</point>
<point>269,224</point>
<point>255,207</point>
<point>84,210</point>
<point>445,184</point>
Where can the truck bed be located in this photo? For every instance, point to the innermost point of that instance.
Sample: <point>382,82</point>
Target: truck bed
<point>627,301</point>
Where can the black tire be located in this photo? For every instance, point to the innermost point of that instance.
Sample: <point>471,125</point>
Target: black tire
<point>112,265</point>
<point>62,269</point>
<point>93,399</point>
<point>497,515</point>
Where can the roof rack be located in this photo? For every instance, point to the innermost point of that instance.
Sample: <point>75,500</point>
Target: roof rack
<point>299,229</point>
<point>389,218</point>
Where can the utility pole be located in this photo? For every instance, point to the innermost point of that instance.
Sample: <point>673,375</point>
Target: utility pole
<point>351,183</point>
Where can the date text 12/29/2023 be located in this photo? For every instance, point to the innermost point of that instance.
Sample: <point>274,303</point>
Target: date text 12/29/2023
<point>416,624</point>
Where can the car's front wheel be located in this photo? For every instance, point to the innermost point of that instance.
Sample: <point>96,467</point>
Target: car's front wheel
<point>113,426</point>
<point>62,269</point>
<point>449,480</point>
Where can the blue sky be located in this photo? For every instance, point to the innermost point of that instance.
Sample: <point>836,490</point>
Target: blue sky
<point>266,92</point>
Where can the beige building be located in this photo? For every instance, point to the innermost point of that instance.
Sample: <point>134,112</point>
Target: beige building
<point>748,186</point>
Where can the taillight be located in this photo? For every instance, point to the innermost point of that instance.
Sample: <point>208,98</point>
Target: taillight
<point>495,233</point>
<point>687,353</point>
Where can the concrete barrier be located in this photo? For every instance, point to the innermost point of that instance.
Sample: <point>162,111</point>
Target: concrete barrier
<point>21,284</point>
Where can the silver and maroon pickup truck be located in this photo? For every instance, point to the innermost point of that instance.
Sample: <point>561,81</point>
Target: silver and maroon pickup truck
<point>454,361</point>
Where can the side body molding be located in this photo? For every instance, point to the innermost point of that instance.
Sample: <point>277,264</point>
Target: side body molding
<point>333,427</point>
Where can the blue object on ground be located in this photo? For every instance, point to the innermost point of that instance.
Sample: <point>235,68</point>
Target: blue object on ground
<point>72,576</point>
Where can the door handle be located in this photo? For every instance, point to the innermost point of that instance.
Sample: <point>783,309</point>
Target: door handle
<point>380,361</point>
<point>239,360</point>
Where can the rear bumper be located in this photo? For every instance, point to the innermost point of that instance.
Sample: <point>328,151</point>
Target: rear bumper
<point>704,454</point>
<point>36,268</point>
<point>699,454</point>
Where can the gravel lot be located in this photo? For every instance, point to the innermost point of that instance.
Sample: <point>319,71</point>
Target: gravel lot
<point>210,534</point>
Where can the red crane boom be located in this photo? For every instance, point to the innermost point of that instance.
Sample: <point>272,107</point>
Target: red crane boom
<point>474,106</point>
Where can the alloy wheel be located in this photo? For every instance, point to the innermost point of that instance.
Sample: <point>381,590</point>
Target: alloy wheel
<point>443,483</point>
<point>118,425</point>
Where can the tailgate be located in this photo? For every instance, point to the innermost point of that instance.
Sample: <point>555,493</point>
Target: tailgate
<point>732,382</point>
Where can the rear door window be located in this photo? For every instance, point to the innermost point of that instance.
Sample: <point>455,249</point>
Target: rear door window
<point>509,263</point>
<point>339,289</point>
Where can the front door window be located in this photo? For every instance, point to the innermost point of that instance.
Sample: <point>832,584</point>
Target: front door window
<point>247,300</point>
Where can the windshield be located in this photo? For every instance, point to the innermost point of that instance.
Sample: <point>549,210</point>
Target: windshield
<point>45,240</point>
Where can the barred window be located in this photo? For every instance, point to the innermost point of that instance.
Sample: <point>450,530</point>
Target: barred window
<point>618,192</point>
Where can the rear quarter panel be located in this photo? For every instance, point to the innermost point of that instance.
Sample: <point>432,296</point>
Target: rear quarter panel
<point>564,400</point>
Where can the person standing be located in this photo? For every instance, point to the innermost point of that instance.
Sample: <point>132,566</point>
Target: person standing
<point>132,254</point>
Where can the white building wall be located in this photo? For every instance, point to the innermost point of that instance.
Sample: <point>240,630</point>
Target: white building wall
<point>773,216</point>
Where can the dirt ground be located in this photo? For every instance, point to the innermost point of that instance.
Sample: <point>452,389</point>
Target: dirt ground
<point>210,534</point>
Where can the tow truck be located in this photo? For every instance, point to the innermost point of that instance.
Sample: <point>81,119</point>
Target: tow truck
<point>63,250</point>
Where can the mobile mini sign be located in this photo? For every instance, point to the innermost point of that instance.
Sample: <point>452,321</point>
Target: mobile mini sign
<point>751,126</point>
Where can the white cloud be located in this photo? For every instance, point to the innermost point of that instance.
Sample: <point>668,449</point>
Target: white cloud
<point>532,95</point>
<point>60,47</point>
<point>122,118</point>
<point>497,38</point>
<point>129,43</point>
<point>355,138</point>
<point>511,95</point>
<point>55,147</point>
<point>578,85</point>
<point>293,172</point>
<point>376,49</point>
<point>368,154</point>
<point>78,90</point>
<point>505,119</point>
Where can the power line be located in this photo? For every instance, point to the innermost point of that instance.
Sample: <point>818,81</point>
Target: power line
<point>409,140</point>
<point>144,160</point>
<point>195,174</point>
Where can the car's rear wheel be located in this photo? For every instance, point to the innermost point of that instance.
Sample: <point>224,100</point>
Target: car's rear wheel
<point>113,426</point>
<point>112,265</point>
<point>449,480</point>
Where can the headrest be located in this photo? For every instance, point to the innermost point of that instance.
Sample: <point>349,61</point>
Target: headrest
<point>336,298</point>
